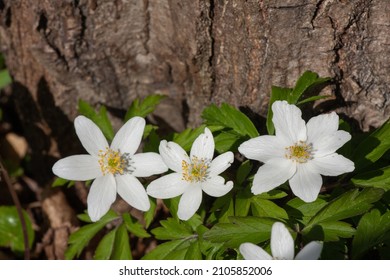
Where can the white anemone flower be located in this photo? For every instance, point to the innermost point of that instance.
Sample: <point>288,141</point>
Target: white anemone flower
<point>113,167</point>
<point>282,247</point>
<point>298,152</point>
<point>192,174</point>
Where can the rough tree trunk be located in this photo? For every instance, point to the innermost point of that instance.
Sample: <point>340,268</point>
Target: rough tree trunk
<point>194,51</point>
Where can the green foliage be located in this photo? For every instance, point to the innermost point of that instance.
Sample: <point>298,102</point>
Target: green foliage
<point>11,233</point>
<point>121,249</point>
<point>80,238</point>
<point>372,230</point>
<point>372,147</point>
<point>100,118</point>
<point>134,227</point>
<point>240,230</point>
<point>379,178</point>
<point>187,137</point>
<point>144,108</point>
<point>305,84</point>
<point>230,118</point>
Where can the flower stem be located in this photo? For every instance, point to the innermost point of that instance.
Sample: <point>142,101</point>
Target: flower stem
<point>7,180</point>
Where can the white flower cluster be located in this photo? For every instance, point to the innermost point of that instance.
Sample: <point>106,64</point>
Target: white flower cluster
<point>298,152</point>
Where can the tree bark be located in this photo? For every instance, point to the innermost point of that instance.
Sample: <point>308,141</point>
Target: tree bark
<point>196,52</point>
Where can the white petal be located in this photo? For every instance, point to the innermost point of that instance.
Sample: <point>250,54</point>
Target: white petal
<point>132,191</point>
<point>173,155</point>
<point>288,122</point>
<point>333,165</point>
<point>189,202</point>
<point>263,148</point>
<point>216,186</point>
<point>282,243</point>
<point>147,164</point>
<point>311,251</point>
<point>322,125</point>
<point>168,186</point>
<point>129,137</point>
<point>306,183</point>
<point>100,197</point>
<point>221,163</point>
<point>203,146</point>
<point>78,168</point>
<point>90,135</point>
<point>272,174</point>
<point>328,144</point>
<point>253,252</point>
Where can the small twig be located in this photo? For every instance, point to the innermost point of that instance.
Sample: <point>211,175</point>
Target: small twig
<point>7,180</point>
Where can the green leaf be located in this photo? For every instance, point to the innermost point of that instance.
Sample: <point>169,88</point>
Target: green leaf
<point>330,231</point>
<point>80,238</point>
<point>373,229</point>
<point>229,117</point>
<point>242,203</point>
<point>187,137</point>
<point>144,108</point>
<point>348,205</point>
<point>373,147</point>
<point>5,78</point>
<point>379,178</point>
<point>121,250</point>
<point>277,93</point>
<point>100,118</point>
<point>134,227</point>
<point>266,208</point>
<point>172,229</point>
<point>171,250</point>
<point>304,211</point>
<point>193,252</point>
<point>226,141</point>
<point>105,246</point>
<point>149,215</point>
<point>305,82</point>
<point>60,182</point>
<point>222,209</point>
<point>240,230</point>
<point>11,233</point>
<point>313,98</point>
<point>273,194</point>
<point>243,171</point>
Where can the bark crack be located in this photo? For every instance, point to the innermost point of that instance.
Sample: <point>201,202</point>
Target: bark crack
<point>147,26</point>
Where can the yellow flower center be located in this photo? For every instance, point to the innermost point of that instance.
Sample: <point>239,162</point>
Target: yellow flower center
<point>196,171</point>
<point>300,152</point>
<point>114,162</point>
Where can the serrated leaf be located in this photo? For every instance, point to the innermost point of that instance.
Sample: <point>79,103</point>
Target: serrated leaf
<point>229,117</point>
<point>144,108</point>
<point>304,211</point>
<point>187,137</point>
<point>80,238</point>
<point>121,250</point>
<point>373,147</point>
<point>348,205</point>
<point>266,208</point>
<point>172,229</point>
<point>305,82</point>
<point>100,118</point>
<point>373,229</point>
<point>240,230</point>
<point>134,227</point>
<point>226,141</point>
<point>277,93</point>
<point>379,178</point>
<point>193,252</point>
<point>105,246</point>
<point>330,231</point>
<point>170,250</point>
<point>11,233</point>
